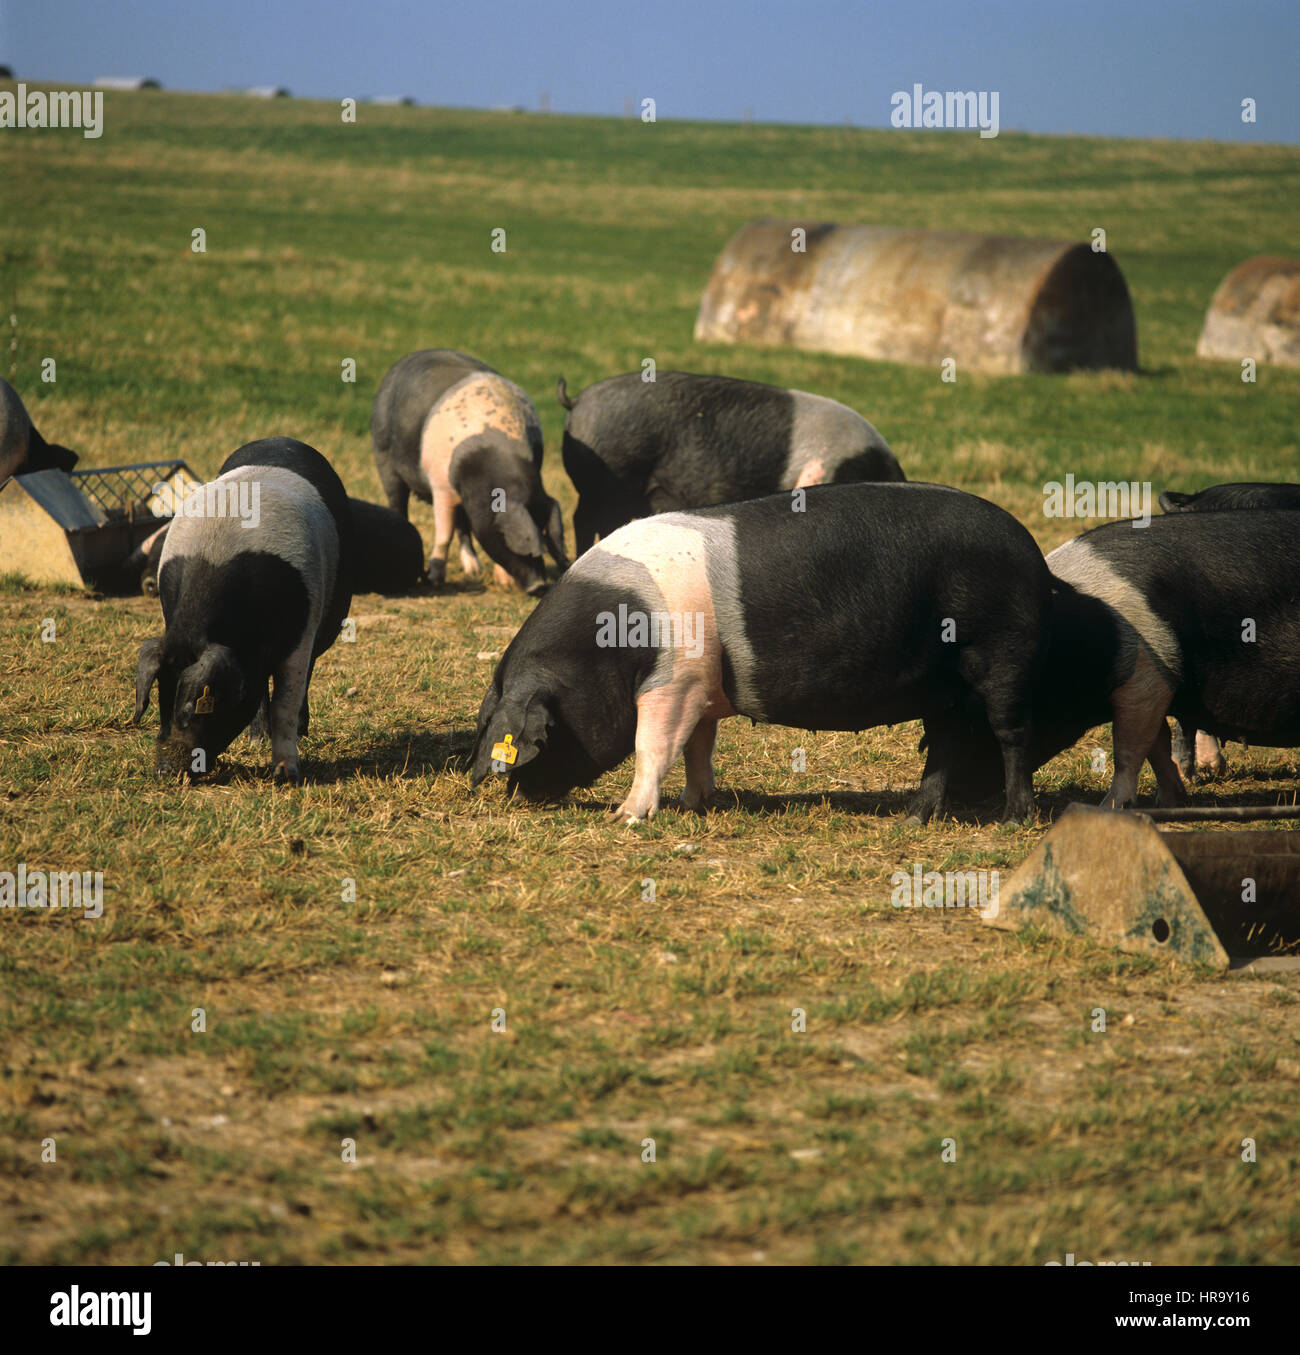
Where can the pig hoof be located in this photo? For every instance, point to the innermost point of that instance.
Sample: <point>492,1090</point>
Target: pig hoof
<point>284,774</point>
<point>626,813</point>
<point>437,572</point>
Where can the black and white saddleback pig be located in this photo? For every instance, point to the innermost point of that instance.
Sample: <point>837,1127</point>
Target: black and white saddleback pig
<point>874,605</point>
<point>635,447</point>
<point>255,582</point>
<point>463,438</point>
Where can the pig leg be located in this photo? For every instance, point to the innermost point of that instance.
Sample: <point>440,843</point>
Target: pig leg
<point>594,517</point>
<point>1209,754</point>
<point>1182,750</point>
<point>1019,781</point>
<point>396,490</point>
<point>1002,683</point>
<point>468,560</point>
<point>302,714</point>
<point>699,766</point>
<point>665,718</point>
<point>1138,710</point>
<point>444,524</point>
<point>584,526</point>
<point>288,701</point>
<point>932,797</point>
<point>465,536</point>
<point>259,728</point>
<point>502,578</point>
<point>1169,785</point>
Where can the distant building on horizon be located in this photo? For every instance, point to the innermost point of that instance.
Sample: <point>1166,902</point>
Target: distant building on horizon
<point>127,82</point>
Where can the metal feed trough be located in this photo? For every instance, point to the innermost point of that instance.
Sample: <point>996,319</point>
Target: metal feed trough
<point>78,527</point>
<point>1231,899</point>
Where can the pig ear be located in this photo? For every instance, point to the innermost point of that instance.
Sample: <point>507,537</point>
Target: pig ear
<point>146,673</point>
<point>537,720</point>
<point>520,533</point>
<point>526,724</point>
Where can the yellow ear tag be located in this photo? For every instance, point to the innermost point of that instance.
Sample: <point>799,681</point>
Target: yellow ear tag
<point>205,705</point>
<point>505,751</point>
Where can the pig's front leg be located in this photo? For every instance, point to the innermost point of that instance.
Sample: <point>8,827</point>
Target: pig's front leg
<point>665,719</point>
<point>468,560</point>
<point>444,523</point>
<point>288,702</point>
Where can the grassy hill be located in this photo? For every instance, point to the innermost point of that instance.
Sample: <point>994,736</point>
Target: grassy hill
<point>626,1019</point>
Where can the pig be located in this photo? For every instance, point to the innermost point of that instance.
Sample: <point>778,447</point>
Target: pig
<point>1246,494</point>
<point>247,603</point>
<point>635,447</point>
<point>461,436</point>
<point>878,603</point>
<point>1151,623</point>
<point>143,562</point>
<point>1195,751</point>
<point>22,448</point>
<point>388,555</point>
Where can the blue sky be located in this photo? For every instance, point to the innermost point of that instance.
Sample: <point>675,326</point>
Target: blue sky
<point>1146,68</point>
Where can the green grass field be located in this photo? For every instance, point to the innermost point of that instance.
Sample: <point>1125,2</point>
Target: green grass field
<point>370,1018</point>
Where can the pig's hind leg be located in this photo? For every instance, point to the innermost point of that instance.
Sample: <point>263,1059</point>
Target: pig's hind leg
<point>259,727</point>
<point>1183,738</point>
<point>303,718</point>
<point>468,560</point>
<point>1169,785</point>
<point>941,743</point>
<point>699,766</point>
<point>1003,684</point>
<point>1138,710</point>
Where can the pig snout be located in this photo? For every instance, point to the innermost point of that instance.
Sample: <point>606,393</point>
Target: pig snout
<point>175,756</point>
<point>534,582</point>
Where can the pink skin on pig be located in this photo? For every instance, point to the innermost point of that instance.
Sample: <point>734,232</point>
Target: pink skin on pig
<point>814,473</point>
<point>682,714</point>
<point>482,402</point>
<point>1209,754</point>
